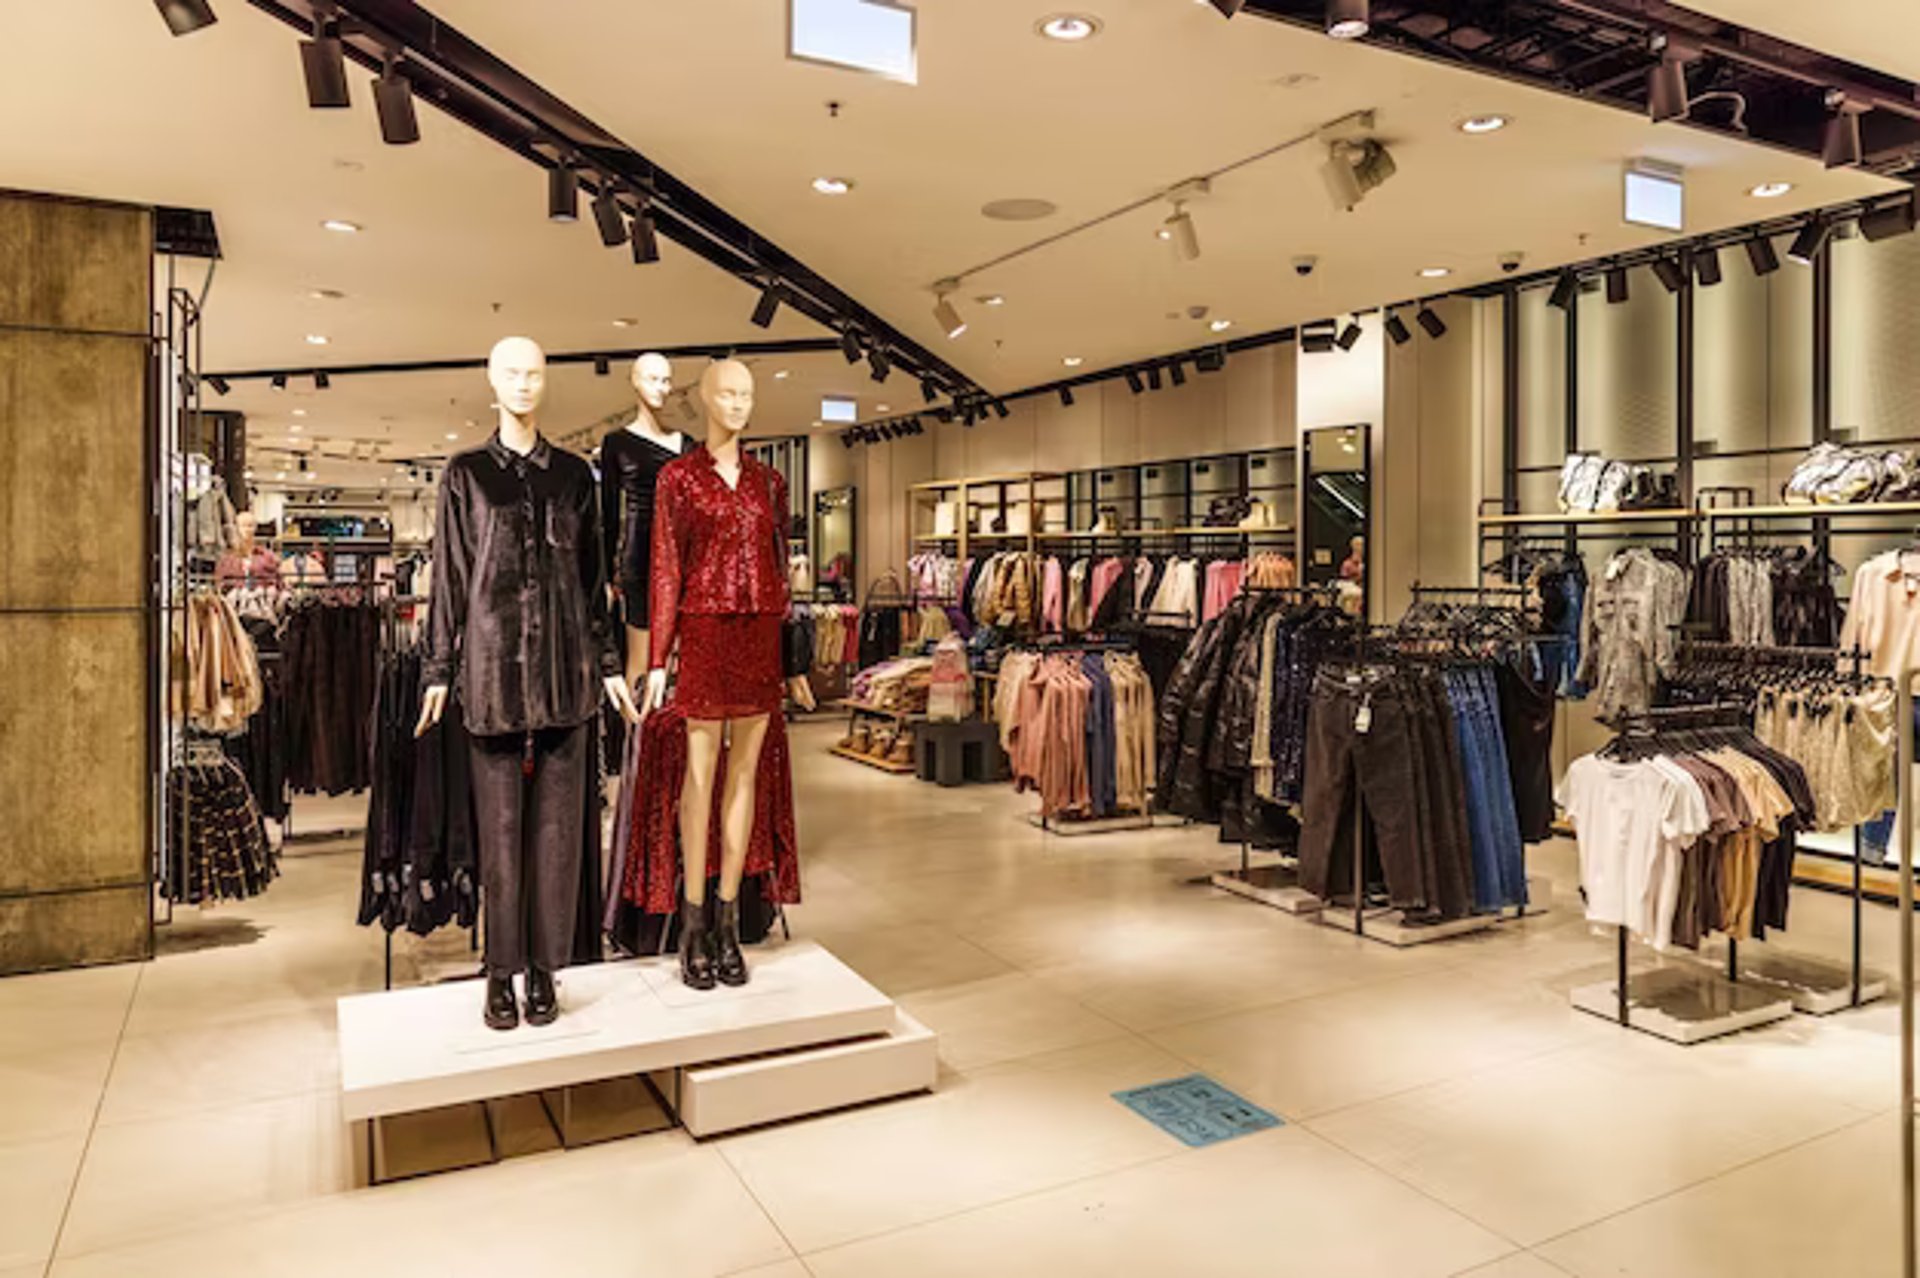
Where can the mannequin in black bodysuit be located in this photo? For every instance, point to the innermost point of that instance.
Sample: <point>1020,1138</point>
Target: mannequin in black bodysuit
<point>630,462</point>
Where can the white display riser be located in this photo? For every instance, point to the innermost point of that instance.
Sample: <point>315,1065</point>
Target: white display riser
<point>1272,885</point>
<point>1070,827</point>
<point>414,1050</point>
<point>1278,886</point>
<point>1685,1004</point>
<point>1816,986</point>
<point>1390,928</point>
<point>731,1095</point>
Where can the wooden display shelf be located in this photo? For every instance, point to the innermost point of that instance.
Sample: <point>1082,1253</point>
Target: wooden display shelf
<point>1811,512</point>
<point>871,760</point>
<point>1145,534</point>
<point>1592,517</point>
<point>861,707</point>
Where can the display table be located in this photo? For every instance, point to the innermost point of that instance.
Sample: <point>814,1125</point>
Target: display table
<point>805,1015</point>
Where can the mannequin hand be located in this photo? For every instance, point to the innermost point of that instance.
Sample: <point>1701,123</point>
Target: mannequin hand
<point>433,704</point>
<point>801,690</point>
<point>656,694</point>
<point>622,697</point>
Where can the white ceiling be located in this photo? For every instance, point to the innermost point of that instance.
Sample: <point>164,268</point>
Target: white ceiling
<point>457,250</point>
<point>1881,34</point>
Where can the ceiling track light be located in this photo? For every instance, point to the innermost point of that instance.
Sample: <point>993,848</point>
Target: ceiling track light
<point>878,365</point>
<point>1228,8</point>
<point>321,381</point>
<point>1348,19</point>
<point>602,366</point>
<point>944,312</point>
<point>850,344</point>
<point>219,384</point>
<point>1397,329</point>
<point>1176,372</point>
<point>278,381</point>
<point>1840,146</point>
<point>323,61</point>
<point>646,244</point>
<point>1153,377</point>
<point>1617,290</point>
<point>1000,409</point>
<point>1182,234</point>
<point>1668,272</point>
<point>1134,383</point>
<point>1066,392</point>
<point>928,391</point>
<point>1808,244</point>
<point>393,103</point>
<point>1349,336</point>
<point>1565,289</point>
<point>768,306</point>
<point>1211,360</point>
<point>1667,81</point>
<point>563,193</point>
<point>1888,221</point>
<point>607,215</point>
<point>1706,265</point>
<point>184,17</point>
<point>1761,257</point>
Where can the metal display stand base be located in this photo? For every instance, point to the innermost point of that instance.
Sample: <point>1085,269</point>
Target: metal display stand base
<point>1816,987</point>
<point>1067,827</point>
<point>1685,1005</point>
<point>1390,927</point>
<point>1274,885</point>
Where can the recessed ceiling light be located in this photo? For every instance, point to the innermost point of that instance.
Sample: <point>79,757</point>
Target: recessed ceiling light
<point>246,474</point>
<point>1070,27</point>
<point>325,294</point>
<point>782,375</point>
<point>279,474</point>
<point>316,339</point>
<point>625,323</point>
<point>296,428</point>
<point>453,434</point>
<point>1483,124</point>
<point>1771,190</point>
<point>992,299</point>
<point>1073,361</point>
<point>832,185</point>
<point>1221,325</point>
<point>881,408</point>
<point>341,225</point>
<point>299,412</point>
<point>1162,233</point>
<point>1435,272</point>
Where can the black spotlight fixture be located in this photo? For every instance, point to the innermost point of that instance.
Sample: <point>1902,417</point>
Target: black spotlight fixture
<point>928,391</point>
<point>1153,377</point>
<point>304,467</point>
<point>846,439</point>
<point>943,414</point>
<point>1888,221</point>
<point>1066,397</point>
<point>1667,82</point>
<point>1317,338</point>
<point>768,306</point>
<point>1668,272</point>
<point>393,103</point>
<point>646,245</point>
<point>1176,372</point>
<point>184,17</point>
<point>878,365</point>
<point>1617,290</point>
<point>279,381</point>
<point>1349,336</point>
<point>1706,265</point>
<point>1840,143</point>
<point>850,344</point>
<point>1761,257</point>
<point>1812,238</point>
<point>1000,409</point>
<point>1397,329</point>
<point>1211,360</point>
<point>1228,8</point>
<point>1565,289</point>
<point>324,61</point>
<point>1134,383</point>
<point>563,193</point>
<point>1347,19</point>
<point>219,384</point>
<point>602,366</point>
<point>321,381</point>
<point>1435,326</point>
<point>608,216</point>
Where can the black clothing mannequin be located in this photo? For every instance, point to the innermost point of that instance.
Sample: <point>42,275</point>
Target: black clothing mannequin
<point>630,466</point>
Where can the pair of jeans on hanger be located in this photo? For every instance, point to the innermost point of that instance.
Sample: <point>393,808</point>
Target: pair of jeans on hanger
<point>1499,860</point>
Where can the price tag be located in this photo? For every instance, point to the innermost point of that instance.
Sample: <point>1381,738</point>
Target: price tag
<point>1363,721</point>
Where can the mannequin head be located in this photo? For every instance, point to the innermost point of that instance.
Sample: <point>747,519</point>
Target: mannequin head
<point>653,381</point>
<point>726,389</point>
<point>517,370</point>
<point>243,525</point>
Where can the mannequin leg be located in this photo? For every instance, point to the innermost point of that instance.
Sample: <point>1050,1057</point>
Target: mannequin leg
<point>736,800</point>
<point>696,803</point>
<point>638,656</point>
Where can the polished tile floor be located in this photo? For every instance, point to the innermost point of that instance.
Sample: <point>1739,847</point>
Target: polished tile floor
<point>1447,1113</point>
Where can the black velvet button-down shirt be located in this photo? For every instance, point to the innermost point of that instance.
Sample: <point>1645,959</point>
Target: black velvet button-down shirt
<point>519,615</point>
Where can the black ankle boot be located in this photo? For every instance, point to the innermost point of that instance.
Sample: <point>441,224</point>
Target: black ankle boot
<point>730,965</point>
<point>696,947</point>
<point>503,1010</point>
<point>543,1003</point>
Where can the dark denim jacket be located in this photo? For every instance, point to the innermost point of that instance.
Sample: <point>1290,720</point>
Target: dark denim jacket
<point>519,615</point>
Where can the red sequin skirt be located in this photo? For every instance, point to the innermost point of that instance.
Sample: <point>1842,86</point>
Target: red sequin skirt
<point>729,666</point>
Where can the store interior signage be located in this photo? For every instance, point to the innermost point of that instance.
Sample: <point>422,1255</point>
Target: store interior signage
<point>839,409</point>
<point>874,36</point>
<point>1655,195</point>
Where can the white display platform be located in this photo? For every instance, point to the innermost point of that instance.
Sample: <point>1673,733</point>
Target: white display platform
<point>1389,927</point>
<point>1817,987</point>
<point>1273,885</point>
<point>407,1050</point>
<point>1685,1005</point>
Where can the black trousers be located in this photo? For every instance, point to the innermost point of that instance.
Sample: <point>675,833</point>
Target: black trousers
<point>529,829</point>
<point>1354,774</point>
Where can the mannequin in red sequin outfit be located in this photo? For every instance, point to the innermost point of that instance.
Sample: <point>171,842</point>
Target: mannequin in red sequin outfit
<point>719,589</point>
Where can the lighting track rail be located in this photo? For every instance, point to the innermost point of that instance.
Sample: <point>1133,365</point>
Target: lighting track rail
<point>399,39</point>
<point>709,350</point>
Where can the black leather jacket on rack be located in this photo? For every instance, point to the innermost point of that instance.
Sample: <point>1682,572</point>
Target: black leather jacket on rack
<point>519,617</point>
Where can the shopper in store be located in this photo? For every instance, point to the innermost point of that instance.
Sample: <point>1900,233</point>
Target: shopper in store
<point>519,626</point>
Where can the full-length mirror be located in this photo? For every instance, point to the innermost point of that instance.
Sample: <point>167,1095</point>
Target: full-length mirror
<point>835,512</point>
<point>1335,500</point>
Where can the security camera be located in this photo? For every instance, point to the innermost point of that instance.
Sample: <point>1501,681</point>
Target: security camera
<point>1510,262</point>
<point>1304,264</point>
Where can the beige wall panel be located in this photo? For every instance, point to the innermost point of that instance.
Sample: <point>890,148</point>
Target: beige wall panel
<point>73,781</point>
<point>69,265</point>
<point>42,933</point>
<point>1120,429</point>
<point>1251,422</point>
<point>1449,413</point>
<point>72,523</point>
